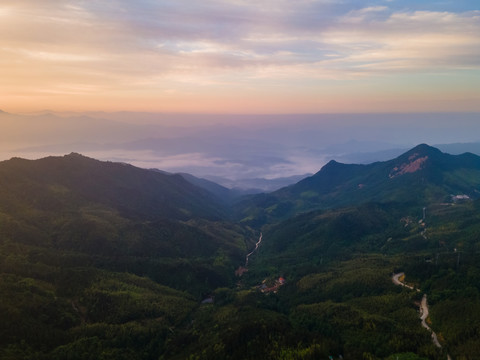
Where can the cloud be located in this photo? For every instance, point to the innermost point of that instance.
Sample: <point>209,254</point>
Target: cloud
<point>365,14</point>
<point>159,48</point>
<point>416,42</point>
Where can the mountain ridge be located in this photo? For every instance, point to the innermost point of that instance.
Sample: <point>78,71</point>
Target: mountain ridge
<point>132,190</point>
<point>102,259</point>
<point>422,174</point>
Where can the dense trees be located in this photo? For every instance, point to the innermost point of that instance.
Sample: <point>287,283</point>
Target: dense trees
<point>86,279</point>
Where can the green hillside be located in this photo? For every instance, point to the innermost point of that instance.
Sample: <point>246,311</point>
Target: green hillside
<point>101,260</point>
<point>105,259</point>
<point>421,176</point>
<point>347,255</point>
<point>57,184</point>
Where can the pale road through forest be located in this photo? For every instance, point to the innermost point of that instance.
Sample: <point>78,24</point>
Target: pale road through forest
<point>256,247</point>
<point>396,280</point>
<point>423,317</point>
<point>423,309</point>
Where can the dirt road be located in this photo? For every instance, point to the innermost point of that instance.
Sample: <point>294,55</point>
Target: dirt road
<point>423,309</point>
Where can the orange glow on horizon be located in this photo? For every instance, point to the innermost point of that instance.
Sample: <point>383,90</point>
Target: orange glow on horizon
<point>86,57</point>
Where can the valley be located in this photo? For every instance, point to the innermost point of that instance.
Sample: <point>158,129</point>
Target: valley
<point>239,180</point>
<point>106,260</point>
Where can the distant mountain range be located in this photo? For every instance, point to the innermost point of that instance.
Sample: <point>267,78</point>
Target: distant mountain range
<point>257,185</point>
<point>245,149</point>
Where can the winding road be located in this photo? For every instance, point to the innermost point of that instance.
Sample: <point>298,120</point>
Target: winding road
<point>423,317</point>
<point>423,309</point>
<point>396,280</point>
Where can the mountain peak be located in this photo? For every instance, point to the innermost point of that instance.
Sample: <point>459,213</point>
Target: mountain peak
<point>74,154</point>
<point>77,156</point>
<point>72,158</point>
<point>331,163</point>
<point>424,149</point>
<point>333,166</point>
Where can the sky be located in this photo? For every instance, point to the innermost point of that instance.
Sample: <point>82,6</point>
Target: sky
<point>237,88</point>
<point>240,56</point>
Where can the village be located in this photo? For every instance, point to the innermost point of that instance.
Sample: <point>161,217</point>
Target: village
<point>268,286</point>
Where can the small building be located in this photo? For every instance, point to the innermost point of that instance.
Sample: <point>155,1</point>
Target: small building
<point>462,197</point>
<point>208,300</point>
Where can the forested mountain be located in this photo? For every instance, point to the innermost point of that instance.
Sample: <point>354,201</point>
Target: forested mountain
<point>422,175</point>
<point>94,251</point>
<point>347,255</point>
<point>59,183</point>
<point>103,260</point>
<point>119,214</point>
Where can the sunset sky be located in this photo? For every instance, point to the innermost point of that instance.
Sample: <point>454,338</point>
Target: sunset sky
<point>240,56</point>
